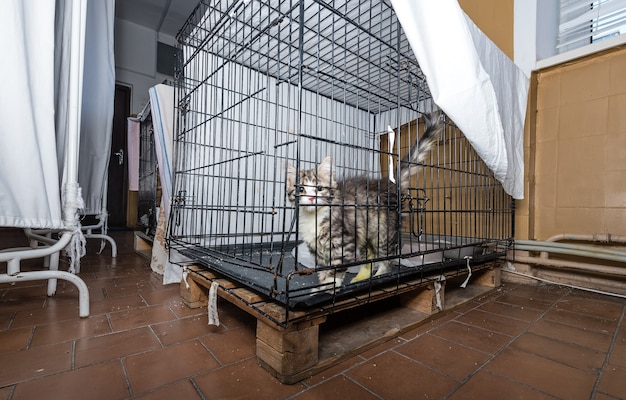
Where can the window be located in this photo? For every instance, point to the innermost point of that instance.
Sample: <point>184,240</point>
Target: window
<point>582,22</point>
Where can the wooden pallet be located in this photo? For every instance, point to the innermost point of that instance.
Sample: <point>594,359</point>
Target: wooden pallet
<point>295,344</point>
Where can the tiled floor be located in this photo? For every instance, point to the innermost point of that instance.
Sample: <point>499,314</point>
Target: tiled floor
<point>519,342</point>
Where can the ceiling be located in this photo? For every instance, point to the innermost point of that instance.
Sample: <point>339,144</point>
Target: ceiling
<point>163,16</point>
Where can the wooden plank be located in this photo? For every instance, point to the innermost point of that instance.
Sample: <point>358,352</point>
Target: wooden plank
<point>248,296</point>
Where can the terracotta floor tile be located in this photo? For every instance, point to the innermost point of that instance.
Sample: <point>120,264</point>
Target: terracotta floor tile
<point>15,339</point>
<point>5,318</point>
<point>569,334</point>
<point>17,366</point>
<point>47,315</point>
<point>245,380</point>
<point>485,386</point>
<point>183,390</point>
<point>180,330</point>
<point>493,322</point>
<point>392,376</point>
<point>576,356</point>
<point>511,311</point>
<point>241,344</point>
<point>536,303</point>
<point>541,291</point>
<point>381,348</point>
<point>618,355</point>
<point>97,349</point>
<point>428,326</point>
<point>150,370</point>
<point>117,304</point>
<point>102,381</point>
<point>180,309</point>
<point>592,304</point>
<point>6,392</point>
<point>444,356</point>
<point>339,387</point>
<point>135,318</point>
<point>545,375</point>
<point>471,336</point>
<point>583,321</point>
<point>162,296</point>
<point>70,330</point>
<point>334,370</point>
<point>613,381</point>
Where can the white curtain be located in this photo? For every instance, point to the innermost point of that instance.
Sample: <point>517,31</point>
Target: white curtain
<point>35,113</point>
<point>29,179</point>
<point>473,82</point>
<point>98,101</point>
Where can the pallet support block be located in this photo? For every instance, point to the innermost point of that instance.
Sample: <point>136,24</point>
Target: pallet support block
<point>193,294</point>
<point>427,300</point>
<point>286,352</point>
<point>490,277</point>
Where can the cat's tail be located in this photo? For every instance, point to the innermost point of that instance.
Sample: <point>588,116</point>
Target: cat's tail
<point>411,162</point>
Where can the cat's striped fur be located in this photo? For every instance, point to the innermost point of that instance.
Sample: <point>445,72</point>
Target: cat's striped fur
<point>355,218</point>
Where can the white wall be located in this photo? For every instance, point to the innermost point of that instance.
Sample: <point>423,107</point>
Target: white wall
<point>135,60</point>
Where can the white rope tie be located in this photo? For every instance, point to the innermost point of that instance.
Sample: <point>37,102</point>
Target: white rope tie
<point>469,271</point>
<point>438,285</point>
<point>104,217</point>
<point>71,206</point>
<point>185,274</point>
<point>391,138</point>
<point>214,318</point>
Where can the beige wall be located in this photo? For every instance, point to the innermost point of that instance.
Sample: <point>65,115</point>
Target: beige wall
<point>495,19</point>
<point>580,149</point>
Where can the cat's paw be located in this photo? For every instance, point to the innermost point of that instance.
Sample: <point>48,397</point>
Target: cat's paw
<point>364,273</point>
<point>329,280</point>
<point>382,269</point>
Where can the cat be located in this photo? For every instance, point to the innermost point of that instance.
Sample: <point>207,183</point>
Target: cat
<point>353,219</point>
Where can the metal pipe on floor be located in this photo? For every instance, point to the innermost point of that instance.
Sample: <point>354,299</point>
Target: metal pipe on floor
<point>572,265</point>
<point>594,237</point>
<point>571,249</point>
<point>582,237</point>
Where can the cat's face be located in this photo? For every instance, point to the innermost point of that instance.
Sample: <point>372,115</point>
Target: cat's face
<point>316,185</point>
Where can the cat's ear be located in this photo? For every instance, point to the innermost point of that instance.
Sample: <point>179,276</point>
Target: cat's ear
<point>291,174</point>
<point>326,167</point>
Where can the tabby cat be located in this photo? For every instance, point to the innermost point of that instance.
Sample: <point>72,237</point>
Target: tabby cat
<point>356,218</point>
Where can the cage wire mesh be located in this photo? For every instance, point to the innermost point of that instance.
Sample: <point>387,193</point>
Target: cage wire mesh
<point>148,178</point>
<point>268,84</point>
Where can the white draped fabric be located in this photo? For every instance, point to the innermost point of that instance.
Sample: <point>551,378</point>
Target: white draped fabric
<point>29,179</point>
<point>473,82</point>
<point>35,111</point>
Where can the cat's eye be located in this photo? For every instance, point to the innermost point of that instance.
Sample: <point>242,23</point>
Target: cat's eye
<point>300,189</point>
<point>319,188</point>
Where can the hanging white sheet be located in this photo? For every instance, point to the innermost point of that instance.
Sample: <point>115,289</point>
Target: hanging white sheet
<point>97,107</point>
<point>474,83</point>
<point>133,137</point>
<point>162,109</point>
<point>29,179</point>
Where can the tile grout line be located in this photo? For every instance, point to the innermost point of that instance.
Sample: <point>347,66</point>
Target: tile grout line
<point>506,346</point>
<point>596,385</point>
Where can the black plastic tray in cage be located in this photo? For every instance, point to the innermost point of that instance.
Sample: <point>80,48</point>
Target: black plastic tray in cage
<point>271,269</point>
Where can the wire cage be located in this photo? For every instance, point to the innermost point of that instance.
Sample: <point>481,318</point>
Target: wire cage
<point>148,177</point>
<point>265,86</point>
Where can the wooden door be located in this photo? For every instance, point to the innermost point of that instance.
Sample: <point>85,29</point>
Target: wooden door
<point>117,198</point>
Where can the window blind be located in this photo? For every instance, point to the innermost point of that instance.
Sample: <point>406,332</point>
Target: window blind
<point>582,22</point>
